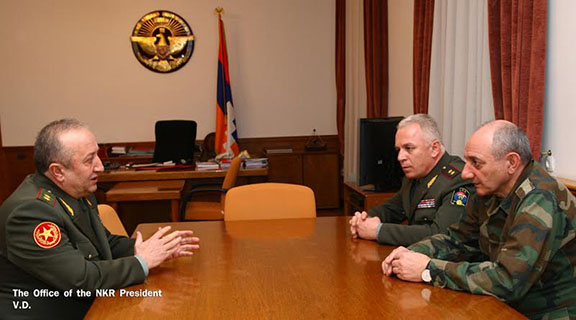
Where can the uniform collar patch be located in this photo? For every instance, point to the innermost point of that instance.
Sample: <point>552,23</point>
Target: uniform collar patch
<point>47,235</point>
<point>427,203</point>
<point>69,208</point>
<point>431,182</point>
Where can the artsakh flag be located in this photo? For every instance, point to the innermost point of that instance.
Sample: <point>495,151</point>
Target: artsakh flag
<point>226,134</point>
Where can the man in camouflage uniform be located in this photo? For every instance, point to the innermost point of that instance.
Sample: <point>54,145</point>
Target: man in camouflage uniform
<point>517,239</point>
<point>433,194</point>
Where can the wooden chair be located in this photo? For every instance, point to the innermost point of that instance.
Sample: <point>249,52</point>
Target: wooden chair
<point>209,210</point>
<point>111,220</point>
<point>267,201</point>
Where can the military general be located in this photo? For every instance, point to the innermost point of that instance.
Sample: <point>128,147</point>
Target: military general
<point>433,194</point>
<point>516,241</point>
<point>53,246</point>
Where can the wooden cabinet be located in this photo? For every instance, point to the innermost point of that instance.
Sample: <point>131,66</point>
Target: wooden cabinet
<point>317,170</point>
<point>356,199</point>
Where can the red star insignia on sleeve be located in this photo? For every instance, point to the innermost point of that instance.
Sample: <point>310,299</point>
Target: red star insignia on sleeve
<point>47,235</point>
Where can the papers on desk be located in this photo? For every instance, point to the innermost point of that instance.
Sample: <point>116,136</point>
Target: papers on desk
<point>153,164</point>
<point>116,150</point>
<point>207,165</point>
<point>253,163</point>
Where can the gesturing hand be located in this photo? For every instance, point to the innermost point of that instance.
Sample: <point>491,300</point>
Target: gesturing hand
<point>159,248</point>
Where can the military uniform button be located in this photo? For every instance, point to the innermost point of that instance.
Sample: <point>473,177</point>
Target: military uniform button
<point>89,256</point>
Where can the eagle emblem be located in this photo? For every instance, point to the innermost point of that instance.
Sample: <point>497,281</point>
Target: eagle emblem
<point>162,41</point>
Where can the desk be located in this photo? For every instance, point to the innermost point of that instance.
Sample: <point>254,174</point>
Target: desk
<point>356,199</point>
<point>288,269</point>
<point>120,175</point>
<point>147,191</point>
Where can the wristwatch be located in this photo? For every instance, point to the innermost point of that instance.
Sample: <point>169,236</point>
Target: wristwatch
<point>426,276</point>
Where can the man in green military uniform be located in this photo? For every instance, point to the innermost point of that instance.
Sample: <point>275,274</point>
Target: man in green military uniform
<point>517,239</point>
<point>52,242</point>
<point>433,194</point>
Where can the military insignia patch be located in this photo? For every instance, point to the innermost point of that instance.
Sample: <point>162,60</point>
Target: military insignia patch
<point>460,197</point>
<point>46,196</point>
<point>450,172</point>
<point>427,203</point>
<point>47,235</point>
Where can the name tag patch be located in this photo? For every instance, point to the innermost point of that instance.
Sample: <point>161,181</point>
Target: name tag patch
<point>427,203</point>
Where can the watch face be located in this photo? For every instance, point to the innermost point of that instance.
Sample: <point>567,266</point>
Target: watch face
<point>162,41</point>
<point>426,277</point>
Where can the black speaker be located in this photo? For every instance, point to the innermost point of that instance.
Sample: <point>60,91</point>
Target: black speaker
<point>378,163</point>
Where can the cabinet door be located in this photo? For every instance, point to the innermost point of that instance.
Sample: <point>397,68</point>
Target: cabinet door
<point>320,172</point>
<point>285,168</point>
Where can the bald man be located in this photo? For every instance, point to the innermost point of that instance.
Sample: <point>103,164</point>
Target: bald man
<point>517,239</point>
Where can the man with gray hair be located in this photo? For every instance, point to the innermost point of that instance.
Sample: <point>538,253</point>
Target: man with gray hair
<point>517,240</point>
<point>54,250</point>
<point>432,196</point>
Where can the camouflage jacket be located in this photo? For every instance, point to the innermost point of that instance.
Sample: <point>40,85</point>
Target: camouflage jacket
<point>520,249</point>
<point>438,200</point>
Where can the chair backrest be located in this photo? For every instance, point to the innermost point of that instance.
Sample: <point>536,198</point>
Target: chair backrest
<point>267,201</point>
<point>232,173</point>
<point>231,177</point>
<point>175,140</point>
<point>111,220</point>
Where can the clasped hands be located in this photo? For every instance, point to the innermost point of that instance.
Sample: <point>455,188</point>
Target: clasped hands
<point>363,226</point>
<point>159,248</point>
<point>405,264</point>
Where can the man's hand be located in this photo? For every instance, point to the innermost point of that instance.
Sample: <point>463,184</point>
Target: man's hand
<point>159,248</point>
<point>368,227</point>
<point>362,226</point>
<point>356,219</point>
<point>406,264</point>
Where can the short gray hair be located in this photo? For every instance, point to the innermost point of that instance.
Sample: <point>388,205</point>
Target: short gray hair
<point>507,138</point>
<point>49,149</point>
<point>427,124</point>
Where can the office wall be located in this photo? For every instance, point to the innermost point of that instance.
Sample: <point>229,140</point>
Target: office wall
<point>400,39</point>
<point>65,58</point>
<point>560,113</point>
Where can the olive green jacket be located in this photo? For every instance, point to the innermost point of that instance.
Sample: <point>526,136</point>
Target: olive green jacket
<point>49,240</point>
<point>439,200</point>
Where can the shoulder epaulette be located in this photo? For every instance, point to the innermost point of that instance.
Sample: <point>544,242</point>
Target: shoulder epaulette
<point>449,171</point>
<point>47,196</point>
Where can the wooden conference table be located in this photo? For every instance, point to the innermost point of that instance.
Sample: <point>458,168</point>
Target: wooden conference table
<point>288,269</point>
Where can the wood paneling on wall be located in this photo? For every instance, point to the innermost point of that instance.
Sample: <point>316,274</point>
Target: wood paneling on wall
<point>18,162</point>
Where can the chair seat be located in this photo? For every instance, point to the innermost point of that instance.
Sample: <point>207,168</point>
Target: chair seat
<point>204,210</point>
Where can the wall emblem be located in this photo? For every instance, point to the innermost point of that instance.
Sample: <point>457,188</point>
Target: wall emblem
<point>162,41</point>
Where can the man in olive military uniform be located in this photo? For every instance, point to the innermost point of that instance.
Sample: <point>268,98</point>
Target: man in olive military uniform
<point>433,194</point>
<point>517,240</point>
<point>52,242</point>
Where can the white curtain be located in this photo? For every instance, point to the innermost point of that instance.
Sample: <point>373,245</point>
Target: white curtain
<point>355,86</point>
<point>460,97</point>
